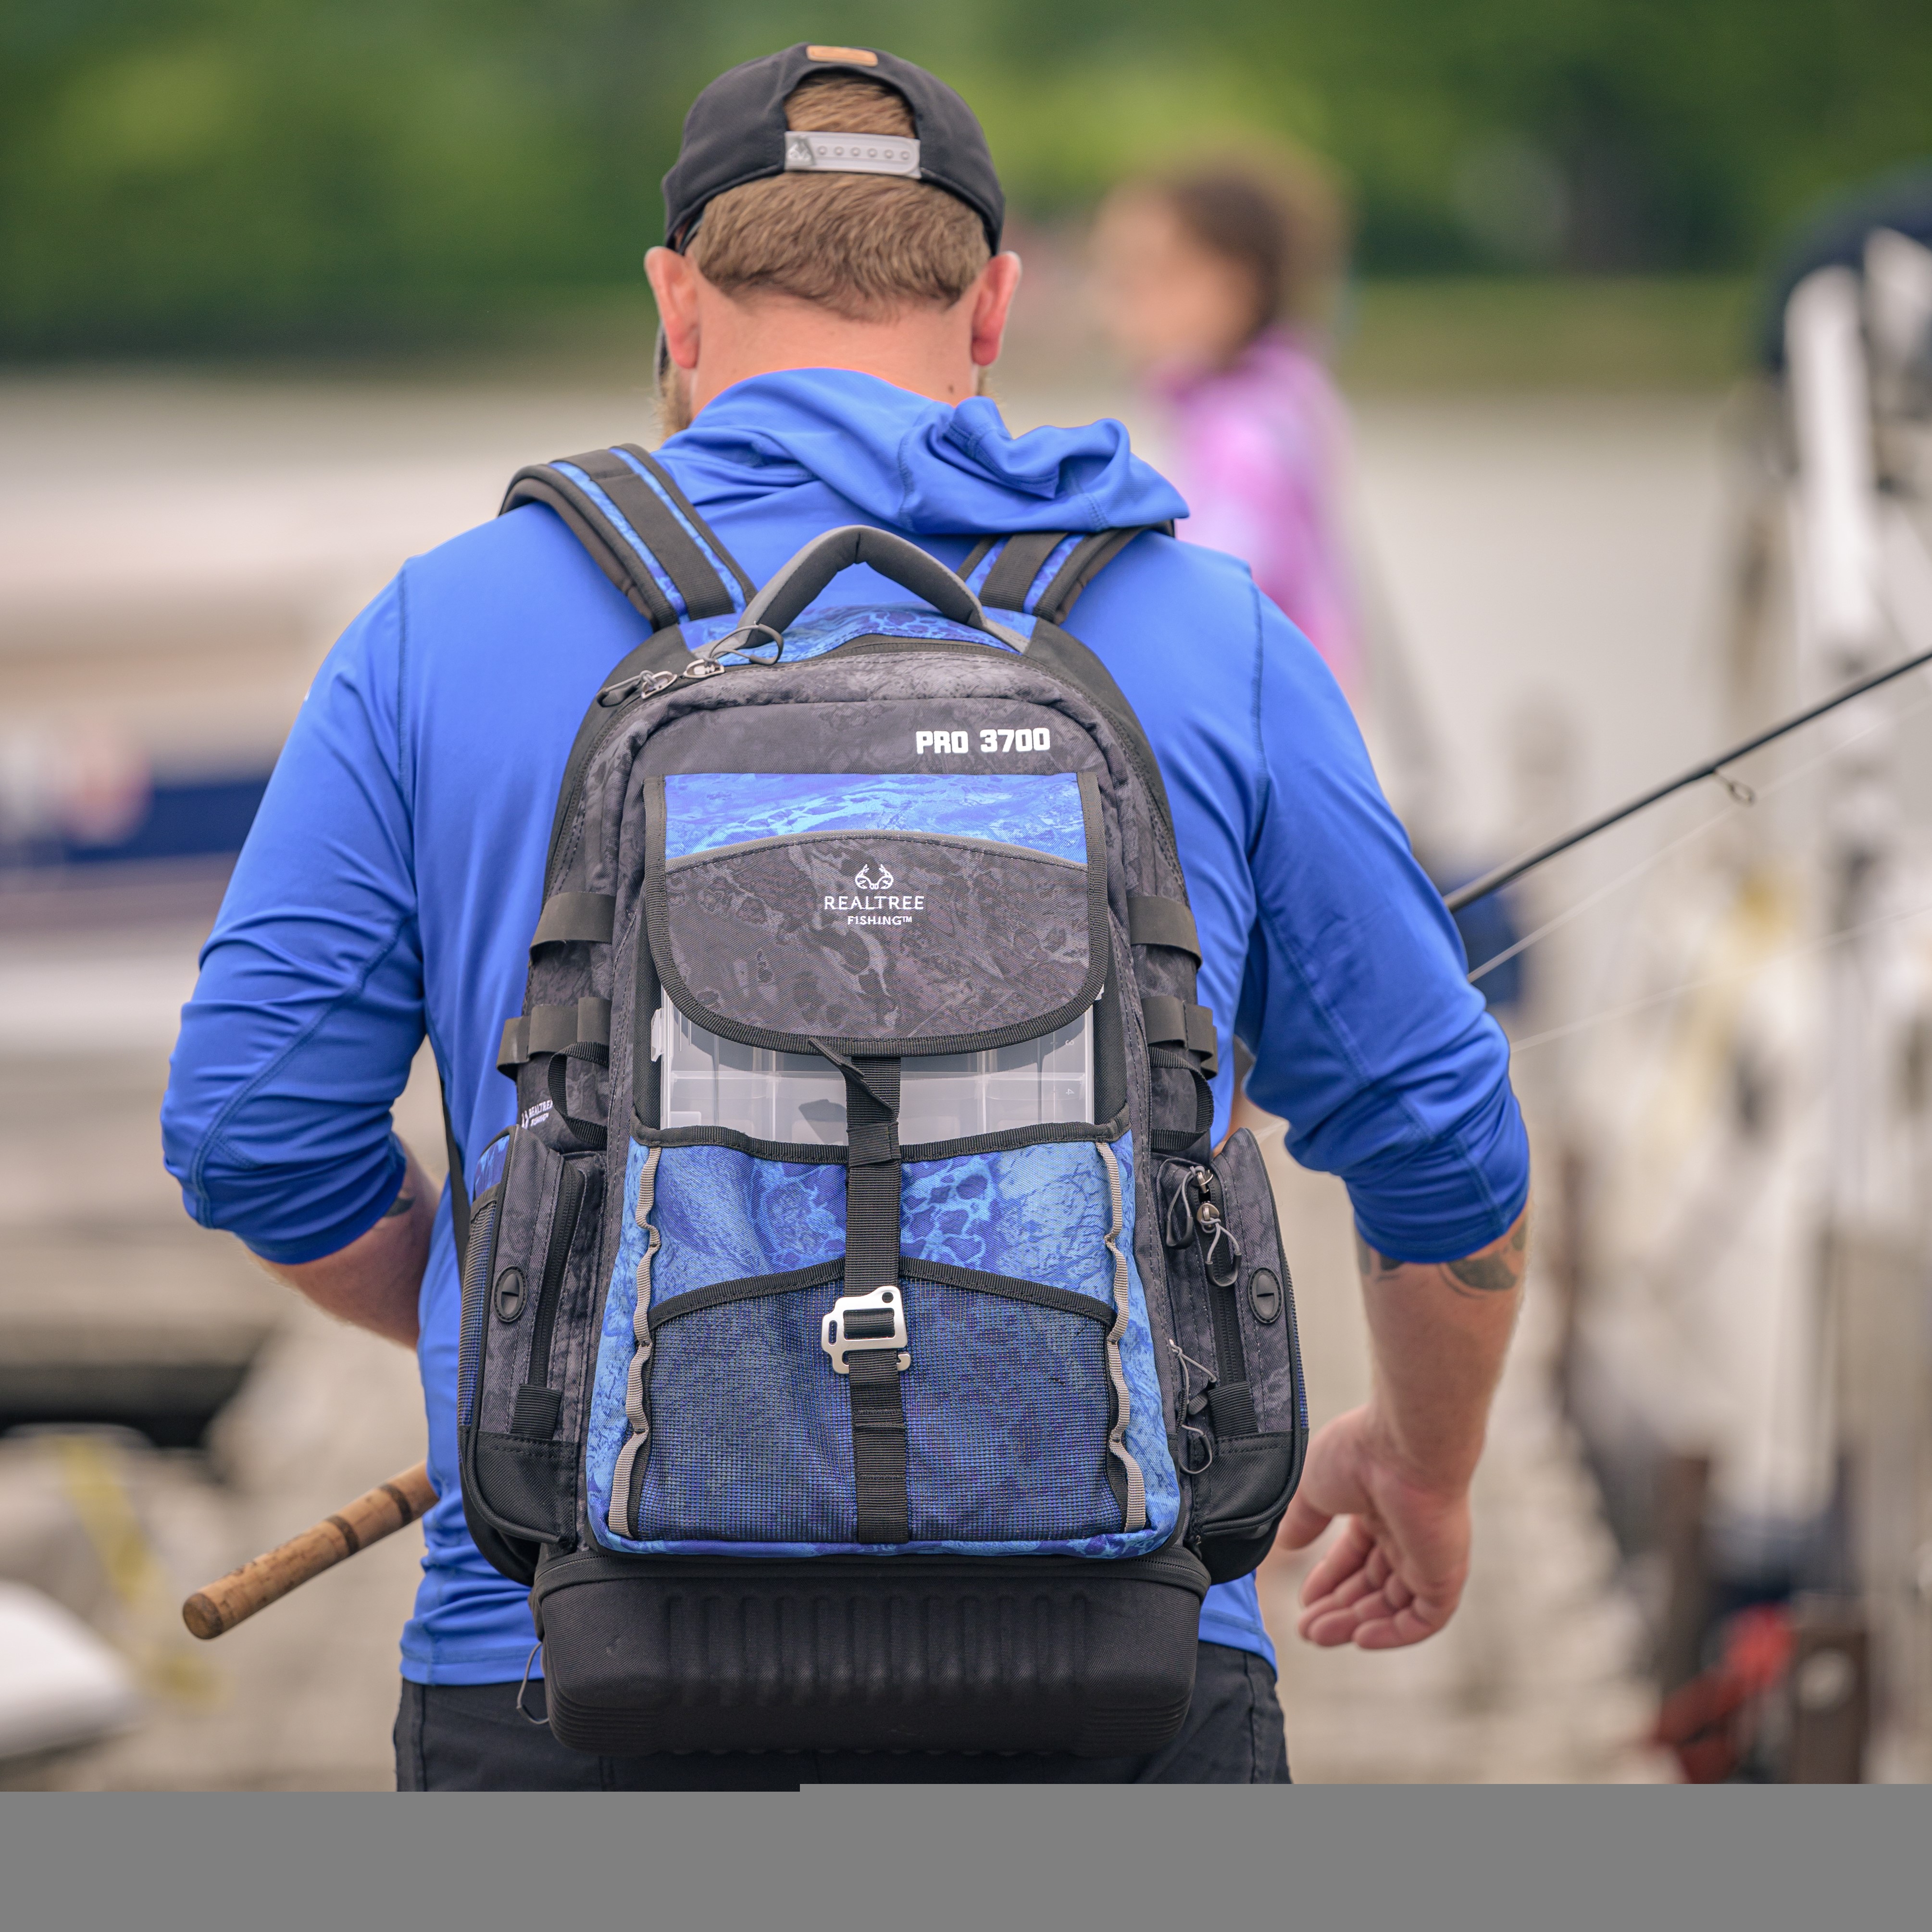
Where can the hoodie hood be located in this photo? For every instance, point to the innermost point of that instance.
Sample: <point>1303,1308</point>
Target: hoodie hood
<point>909,464</point>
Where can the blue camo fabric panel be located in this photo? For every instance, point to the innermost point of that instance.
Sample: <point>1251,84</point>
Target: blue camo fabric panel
<point>1037,1213</point>
<point>822,631</point>
<point>1006,1415</point>
<point>1039,811</point>
<point>1006,1404</point>
<point>722,1215</point>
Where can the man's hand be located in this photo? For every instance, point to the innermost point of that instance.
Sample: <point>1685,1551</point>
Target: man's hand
<point>1396,1572</point>
<point>1398,1469</point>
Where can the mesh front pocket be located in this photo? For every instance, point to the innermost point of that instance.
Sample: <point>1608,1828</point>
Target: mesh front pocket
<point>1006,1412</point>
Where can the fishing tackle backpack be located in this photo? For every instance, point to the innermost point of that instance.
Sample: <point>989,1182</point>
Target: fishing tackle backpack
<point>863,1347</point>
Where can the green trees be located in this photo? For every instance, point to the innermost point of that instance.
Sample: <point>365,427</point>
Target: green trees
<point>184,173</point>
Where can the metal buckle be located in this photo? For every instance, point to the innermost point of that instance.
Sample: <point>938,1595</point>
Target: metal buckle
<point>838,1341</point>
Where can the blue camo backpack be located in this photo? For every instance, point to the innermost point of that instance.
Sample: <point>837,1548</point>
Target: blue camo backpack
<point>864,1347</point>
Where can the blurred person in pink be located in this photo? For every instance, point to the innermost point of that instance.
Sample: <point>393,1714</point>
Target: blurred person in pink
<point>1211,283</point>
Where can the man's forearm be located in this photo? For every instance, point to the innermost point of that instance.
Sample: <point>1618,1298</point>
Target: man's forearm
<point>374,1282</point>
<point>1438,1332</point>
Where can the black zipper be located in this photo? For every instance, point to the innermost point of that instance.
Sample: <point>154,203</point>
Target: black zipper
<point>621,699</point>
<point>1222,1264</point>
<point>1196,1211</point>
<point>556,1260</point>
<point>657,684</point>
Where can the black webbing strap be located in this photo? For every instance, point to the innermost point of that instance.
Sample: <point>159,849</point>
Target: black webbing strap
<point>879,1447</point>
<point>1162,922</point>
<point>1191,1140</point>
<point>570,916</point>
<point>1087,560</point>
<point>586,1024</point>
<point>872,1261</point>
<point>1173,1022</point>
<point>537,1049</point>
<point>513,1049</point>
<point>580,1032</point>
<point>1011,577</point>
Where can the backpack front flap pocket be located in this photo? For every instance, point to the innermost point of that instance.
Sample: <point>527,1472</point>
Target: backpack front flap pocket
<point>915,914</point>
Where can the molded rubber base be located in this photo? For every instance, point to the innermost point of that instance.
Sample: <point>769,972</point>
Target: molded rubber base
<point>898,1654</point>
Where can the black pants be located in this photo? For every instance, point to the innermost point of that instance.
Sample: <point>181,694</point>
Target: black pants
<point>471,1737</point>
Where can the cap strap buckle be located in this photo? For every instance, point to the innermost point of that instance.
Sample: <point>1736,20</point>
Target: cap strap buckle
<point>808,151</point>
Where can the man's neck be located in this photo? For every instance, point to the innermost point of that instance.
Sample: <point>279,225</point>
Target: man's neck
<point>928,352</point>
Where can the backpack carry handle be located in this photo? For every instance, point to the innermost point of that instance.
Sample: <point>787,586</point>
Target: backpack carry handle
<point>801,579</point>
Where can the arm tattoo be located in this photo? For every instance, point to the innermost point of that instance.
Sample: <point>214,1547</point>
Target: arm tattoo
<point>1375,1267</point>
<point>1498,1269</point>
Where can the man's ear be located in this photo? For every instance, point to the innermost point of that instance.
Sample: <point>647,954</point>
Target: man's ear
<point>992,299</point>
<point>673,281</point>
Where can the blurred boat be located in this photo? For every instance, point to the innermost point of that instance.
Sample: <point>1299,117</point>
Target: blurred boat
<point>60,1685</point>
<point>1756,1109</point>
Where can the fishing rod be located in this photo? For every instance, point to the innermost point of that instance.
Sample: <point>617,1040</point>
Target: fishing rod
<point>1503,875</point>
<point>267,1579</point>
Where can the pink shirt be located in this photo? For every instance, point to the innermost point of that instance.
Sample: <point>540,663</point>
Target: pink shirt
<point>1256,450</point>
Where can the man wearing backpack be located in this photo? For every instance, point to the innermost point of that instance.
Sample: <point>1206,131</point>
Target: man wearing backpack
<point>832,292</point>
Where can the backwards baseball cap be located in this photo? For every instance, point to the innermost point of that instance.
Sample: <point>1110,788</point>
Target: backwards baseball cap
<point>736,132</point>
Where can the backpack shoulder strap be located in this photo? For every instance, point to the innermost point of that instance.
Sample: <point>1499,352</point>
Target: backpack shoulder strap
<point>1043,572</point>
<point>626,509</point>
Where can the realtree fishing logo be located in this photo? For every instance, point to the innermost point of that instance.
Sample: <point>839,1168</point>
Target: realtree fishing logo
<point>875,903</point>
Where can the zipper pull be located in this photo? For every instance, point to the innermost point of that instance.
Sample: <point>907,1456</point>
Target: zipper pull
<point>1177,1217</point>
<point>738,643</point>
<point>1221,1252</point>
<point>705,663</point>
<point>649,683</point>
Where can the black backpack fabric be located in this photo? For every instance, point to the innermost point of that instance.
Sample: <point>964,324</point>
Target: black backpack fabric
<point>863,1346</point>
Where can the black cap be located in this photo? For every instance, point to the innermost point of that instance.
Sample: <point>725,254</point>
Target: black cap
<point>735,132</point>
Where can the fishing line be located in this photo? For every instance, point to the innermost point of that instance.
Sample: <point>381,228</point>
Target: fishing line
<point>1493,881</point>
<point>1819,945</point>
<point>1657,857</point>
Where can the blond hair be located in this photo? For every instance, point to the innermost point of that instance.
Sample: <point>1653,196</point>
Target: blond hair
<point>865,247</point>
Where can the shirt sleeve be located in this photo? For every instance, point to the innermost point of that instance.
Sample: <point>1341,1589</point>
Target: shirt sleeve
<point>308,1010</point>
<point>1366,1034</point>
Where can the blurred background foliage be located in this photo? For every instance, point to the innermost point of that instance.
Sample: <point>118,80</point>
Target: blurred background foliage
<point>224,175</point>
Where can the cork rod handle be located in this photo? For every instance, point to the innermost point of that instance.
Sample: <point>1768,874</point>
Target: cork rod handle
<point>268,1578</point>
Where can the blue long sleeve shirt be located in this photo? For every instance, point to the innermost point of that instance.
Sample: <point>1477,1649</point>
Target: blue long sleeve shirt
<point>393,873</point>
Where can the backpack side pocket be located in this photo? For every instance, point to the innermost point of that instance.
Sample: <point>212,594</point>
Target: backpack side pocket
<point>520,1288</point>
<point>1249,1418</point>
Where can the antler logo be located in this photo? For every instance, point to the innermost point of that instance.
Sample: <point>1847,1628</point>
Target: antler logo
<point>873,879</point>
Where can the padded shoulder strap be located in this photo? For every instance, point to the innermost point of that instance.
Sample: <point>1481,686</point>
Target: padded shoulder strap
<point>1043,572</point>
<point>1087,559</point>
<point>1019,561</point>
<point>625,508</point>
